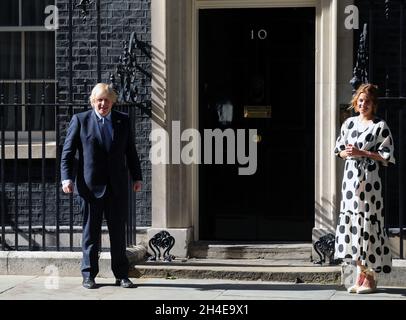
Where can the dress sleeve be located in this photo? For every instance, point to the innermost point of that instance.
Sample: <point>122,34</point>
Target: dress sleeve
<point>340,143</point>
<point>385,145</point>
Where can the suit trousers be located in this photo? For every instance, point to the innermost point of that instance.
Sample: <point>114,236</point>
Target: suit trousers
<point>114,210</point>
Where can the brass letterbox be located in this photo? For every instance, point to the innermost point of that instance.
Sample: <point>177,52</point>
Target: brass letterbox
<point>257,111</point>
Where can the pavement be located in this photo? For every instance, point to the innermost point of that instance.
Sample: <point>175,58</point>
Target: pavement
<point>194,288</point>
<point>14,287</point>
<point>165,299</point>
<point>173,298</point>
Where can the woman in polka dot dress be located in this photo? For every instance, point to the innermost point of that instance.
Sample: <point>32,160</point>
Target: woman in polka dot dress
<point>365,143</point>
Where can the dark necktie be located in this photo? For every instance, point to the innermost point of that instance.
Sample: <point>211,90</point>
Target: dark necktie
<point>106,136</point>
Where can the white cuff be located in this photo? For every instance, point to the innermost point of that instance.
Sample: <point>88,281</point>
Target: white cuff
<point>66,182</point>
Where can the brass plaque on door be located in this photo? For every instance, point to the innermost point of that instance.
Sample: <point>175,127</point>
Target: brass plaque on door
<point>257,111</point>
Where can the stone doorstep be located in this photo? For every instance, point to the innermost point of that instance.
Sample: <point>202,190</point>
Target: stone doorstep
<point>295,271</point>
<point>251,251</point>
<point>320,275</point>
<point>283,271</point>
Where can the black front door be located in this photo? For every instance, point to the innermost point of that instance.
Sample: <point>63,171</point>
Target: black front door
<point>256,71</point>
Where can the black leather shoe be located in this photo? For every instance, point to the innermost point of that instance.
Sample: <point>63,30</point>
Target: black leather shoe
<point>89,283</point>
<point>125,283</point>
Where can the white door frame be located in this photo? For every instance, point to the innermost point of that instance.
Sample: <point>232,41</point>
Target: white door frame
<point>325,98</point>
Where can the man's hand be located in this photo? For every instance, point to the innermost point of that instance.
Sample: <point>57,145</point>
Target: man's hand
<point>137,186</point>
<point>68,187</point>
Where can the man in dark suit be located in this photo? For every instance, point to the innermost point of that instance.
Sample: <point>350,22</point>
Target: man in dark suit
<point>103,139</point>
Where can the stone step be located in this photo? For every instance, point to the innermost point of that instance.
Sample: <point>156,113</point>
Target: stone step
<point>277,251</point>
<point>296,271</point>
<point>293,271</point>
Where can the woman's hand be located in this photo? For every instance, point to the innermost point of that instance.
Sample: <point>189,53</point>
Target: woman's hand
<point>352,151</point>
<point>343,154</point>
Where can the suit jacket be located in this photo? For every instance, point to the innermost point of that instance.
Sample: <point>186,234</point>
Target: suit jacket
<point>96,167</point>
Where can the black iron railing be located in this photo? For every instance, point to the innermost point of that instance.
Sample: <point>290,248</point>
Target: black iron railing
<point>35,213</point>
<point>393,111</point>
<point>383,64</point>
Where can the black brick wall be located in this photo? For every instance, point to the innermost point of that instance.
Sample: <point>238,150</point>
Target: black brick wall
<point>384,51</point>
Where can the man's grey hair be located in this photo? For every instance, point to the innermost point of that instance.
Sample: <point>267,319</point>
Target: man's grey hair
<point>103,88</point>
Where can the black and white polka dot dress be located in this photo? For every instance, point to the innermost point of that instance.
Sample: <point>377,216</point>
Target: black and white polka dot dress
<point>360,234</point>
